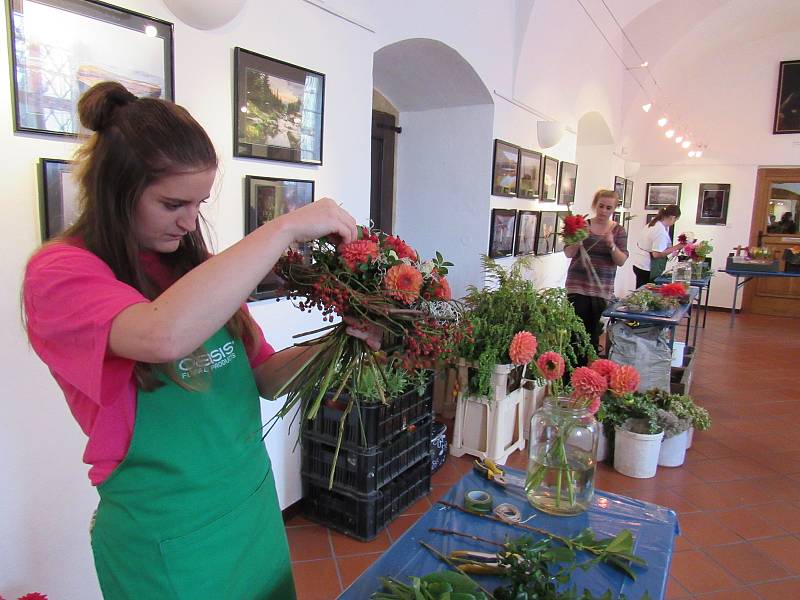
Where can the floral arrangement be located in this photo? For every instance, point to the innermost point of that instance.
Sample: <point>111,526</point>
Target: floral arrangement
<point>648,299</point>
<point>31,596</point>
<point>499,313</point>
<point>376,281</point>
<point>696,250</point>
<point>759,253</point>
<point>575,230</point>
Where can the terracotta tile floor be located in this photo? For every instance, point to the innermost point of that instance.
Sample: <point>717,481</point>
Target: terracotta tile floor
<point>737,496</point>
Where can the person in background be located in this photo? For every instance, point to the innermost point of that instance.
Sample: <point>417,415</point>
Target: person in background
<point>787,224</point>
<point>161,364</point>
<point>652,251</point>
<point>590,290</point>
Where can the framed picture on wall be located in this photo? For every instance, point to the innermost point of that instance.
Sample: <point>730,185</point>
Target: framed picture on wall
<point>787,106</point>
<point>549,180</point>
<point>650,216</point>
<point>616,216</point>
<point>530,174</point>
<point>712,204</point>
<point>546,236</point>
<point>501,234</point>
<point>266,198</point>
<point>505,169</point>
<point>659,195</point>
<point>567,178</point>
<point>558,242</point>
<point>619,186</point>
<point>60,48</point>
<point>525,240</point>
<point>626,221</point>
<point>58,196</point>
<point>627,197</point>
<point>277,109</point>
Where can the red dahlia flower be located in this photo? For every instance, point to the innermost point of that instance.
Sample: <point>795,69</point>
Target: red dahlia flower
<point>605,367</point>
<point>587,384</point>
<point>672,290</point>
<point>358,252</point>
<point>522,348</point>
<point>574,223</point>
<point>442,290</point>
<point>400,248</point>
<point>403,283</point>
<point>551,365</point>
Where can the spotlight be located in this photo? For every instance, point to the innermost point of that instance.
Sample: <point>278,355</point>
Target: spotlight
<point>679,139</point>
<point>647,107</point>
<point>698,154</point>
<point>669,133</point>
<point>150,31</point>
<point>691,153</point>
<point>662,121</point>
<point>686,144</point>
<point>644,64</point>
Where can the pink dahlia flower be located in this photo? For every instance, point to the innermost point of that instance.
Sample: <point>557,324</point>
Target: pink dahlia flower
<point>551,365</point>
<point>605,367</point>
<point>522,348</point>
<point>587,384</point>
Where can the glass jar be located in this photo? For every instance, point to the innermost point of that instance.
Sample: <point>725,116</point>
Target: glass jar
<point>682,273</point>
<point>562,457</point>
<point>698,269</point>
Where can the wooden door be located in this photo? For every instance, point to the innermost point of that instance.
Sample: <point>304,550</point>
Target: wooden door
<point>381,204</point>
<point>776,217</point>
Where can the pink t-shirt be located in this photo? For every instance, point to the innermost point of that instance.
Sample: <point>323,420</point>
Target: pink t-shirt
<point>71,298</point>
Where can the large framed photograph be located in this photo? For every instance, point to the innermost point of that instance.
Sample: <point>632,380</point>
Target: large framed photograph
<point>525,240</point>
<point>567,178</point>
<point>619,186</point>
<point>277,109</point>
<point>501,234</point>
<point>712,204</point>
<point>650,216</point>
<point>530,174</point>
<point>549,191</point>
<point>505,169</point>
<point>659,195</point>
<point>60,48</point>
<point>58,197</point>
<point>546,236</point>
<point>787,106</point>
<point>627,197</point>
<point>267,198</point>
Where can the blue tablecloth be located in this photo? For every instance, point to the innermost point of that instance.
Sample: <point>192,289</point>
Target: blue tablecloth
<point>653,528</point>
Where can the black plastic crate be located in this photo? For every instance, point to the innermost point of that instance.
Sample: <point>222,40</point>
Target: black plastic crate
<point>365,470</point>
<point>371,424</point>
<point>362,516</point>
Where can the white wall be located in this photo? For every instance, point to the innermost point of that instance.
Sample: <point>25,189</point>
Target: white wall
<point>47,501</point>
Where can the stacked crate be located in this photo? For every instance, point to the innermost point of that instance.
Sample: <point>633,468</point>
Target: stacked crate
<point>383,465</point>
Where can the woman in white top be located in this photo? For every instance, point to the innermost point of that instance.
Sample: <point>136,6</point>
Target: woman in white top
<point>652,251</point>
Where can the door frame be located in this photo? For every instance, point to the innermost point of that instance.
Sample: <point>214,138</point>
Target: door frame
<point>764,180</point>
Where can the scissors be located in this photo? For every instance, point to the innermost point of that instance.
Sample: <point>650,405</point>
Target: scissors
<point>487,469</point>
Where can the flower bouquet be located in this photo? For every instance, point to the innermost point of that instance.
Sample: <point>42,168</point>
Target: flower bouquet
<point>376,282</point>
<point>647,299</point>
<point>575,230</point>
<point>564,433</point>
<point>696,251</point>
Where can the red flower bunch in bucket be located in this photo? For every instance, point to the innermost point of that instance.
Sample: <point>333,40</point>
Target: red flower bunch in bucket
<point>376,282</point>
<point>576,229</point>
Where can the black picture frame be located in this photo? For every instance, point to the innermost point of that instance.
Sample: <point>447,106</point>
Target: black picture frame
<point>525,237</point>
<point>549,192</point>
<point>547,232</point>
<point>650,216</point>
<point>787,103</point>
<point>505,169</point>
<point>58,197</point>
<point>529,181</point>
<point>567,178</point>
<point>659,195</point>
<point>558,241</point>
<point>266,198</point>
<point>712,203</point>
<point>97,42</point>
<point>619,186</point>
<point>626,221</point>
<point>501,232</point>
<point>278,109</point>
<point>616,216</point>
<point>627,197</point>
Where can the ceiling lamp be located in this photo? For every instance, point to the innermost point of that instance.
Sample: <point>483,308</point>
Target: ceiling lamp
<point>698,154</point>
<point>686,144</point>
<point>662,121</point>
<point>549,133</point>
<point>644,64</point>
<point>691,153</point>
<point>669,133</point>
<point>679,139</point>
<point>647,107</point>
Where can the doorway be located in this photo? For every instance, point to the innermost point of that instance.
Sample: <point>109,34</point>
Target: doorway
<point>381,195</point>
<point>776,214</point>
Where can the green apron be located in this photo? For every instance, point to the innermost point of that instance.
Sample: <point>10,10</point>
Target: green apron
<point>192,513</point>
<point>657,266</point>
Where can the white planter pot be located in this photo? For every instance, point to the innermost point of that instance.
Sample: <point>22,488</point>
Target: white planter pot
<point>673,450</point>
<point>636,454</point>
<point>602,445</point>
<point>689,437</point>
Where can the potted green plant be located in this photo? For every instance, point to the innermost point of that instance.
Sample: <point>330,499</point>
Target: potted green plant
<point>673,444</point>
<point>683,407</point>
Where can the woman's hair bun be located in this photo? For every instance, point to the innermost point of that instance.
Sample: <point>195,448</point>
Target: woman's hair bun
<point>98,105</point>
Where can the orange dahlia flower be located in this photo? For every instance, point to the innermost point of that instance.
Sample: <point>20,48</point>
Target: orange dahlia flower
<point>358,252</point>
<point>442,290</point>
<point>625,379</point>
<point>522,348</point>
<point>403,283</point>
<point>605,367</point>
<point>551,365</point>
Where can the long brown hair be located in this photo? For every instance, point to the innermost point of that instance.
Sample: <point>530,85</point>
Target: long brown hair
<point>667,211</point>
<point>137,141</point>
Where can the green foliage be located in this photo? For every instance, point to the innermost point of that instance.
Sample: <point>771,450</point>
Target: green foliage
<point>615,410</point>
<point>441,585</point>
<point>683,407</point>
<point>509,305</point>
<point>645,300</point>
<point>671,424</point>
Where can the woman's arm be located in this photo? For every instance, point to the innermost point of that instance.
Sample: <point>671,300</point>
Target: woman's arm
<point>666,251</point>
<point>201,301</point>
<point>618,255</point>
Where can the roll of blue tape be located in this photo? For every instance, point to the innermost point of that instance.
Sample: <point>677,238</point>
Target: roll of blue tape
<point>478,501</point>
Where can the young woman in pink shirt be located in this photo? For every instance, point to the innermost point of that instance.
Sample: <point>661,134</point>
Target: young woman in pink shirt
<point>160,362</point>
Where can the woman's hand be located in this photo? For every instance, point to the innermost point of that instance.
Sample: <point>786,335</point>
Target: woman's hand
<point>610,238</point>
<point>364,330</point>
<point>316,220</point>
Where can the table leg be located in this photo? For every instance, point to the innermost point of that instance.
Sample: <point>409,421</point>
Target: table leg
<point>688,323</point>
<point>697,318</point>
<point>705,310</point>
<point>735,294</point>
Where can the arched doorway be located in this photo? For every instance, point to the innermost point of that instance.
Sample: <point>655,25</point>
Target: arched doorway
<point>443,152</point>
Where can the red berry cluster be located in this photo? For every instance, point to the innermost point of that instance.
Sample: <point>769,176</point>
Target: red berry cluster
<point>328,296</point>
<point>429,341</point>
